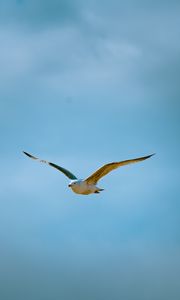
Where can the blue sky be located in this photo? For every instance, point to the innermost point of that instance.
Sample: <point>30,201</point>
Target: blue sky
<point>83,83</point>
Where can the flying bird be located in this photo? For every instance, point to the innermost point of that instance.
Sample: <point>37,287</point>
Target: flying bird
<point>89,185</point>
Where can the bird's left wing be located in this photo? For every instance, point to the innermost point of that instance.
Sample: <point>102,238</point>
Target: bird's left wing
<point>64,171</point>
<point>93,179</point>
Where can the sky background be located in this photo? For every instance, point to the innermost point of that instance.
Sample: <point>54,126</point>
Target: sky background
<point>83,83</point>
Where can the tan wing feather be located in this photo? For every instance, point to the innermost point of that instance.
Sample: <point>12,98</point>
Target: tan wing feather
<point>104,170</point>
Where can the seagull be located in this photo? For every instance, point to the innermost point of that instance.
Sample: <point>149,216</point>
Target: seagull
<point>89,185</point>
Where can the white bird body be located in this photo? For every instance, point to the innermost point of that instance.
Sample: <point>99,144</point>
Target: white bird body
<point>82,187</point>
<point>88,186</point>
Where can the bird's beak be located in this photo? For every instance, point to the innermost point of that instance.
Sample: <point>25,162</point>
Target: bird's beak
<point>69,185</point>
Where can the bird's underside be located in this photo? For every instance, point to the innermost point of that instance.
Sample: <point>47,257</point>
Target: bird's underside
<point>88,185</point>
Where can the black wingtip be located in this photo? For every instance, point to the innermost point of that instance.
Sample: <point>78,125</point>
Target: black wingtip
<point>29,155</point>
<point>26,153</point>
<point>148,156</point>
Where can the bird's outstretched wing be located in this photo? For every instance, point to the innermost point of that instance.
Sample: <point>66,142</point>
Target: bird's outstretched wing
<point>64,171</point>
<point>93,179</point>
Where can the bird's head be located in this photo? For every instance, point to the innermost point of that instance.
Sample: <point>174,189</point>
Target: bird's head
<point>73,183</point>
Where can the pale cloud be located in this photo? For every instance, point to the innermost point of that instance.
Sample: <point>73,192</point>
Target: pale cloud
<point>94,52</point>
<point>66,61</point>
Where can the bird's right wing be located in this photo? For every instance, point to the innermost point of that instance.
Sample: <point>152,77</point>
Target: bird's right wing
<point>104,170</point>
<point>64,171</point>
